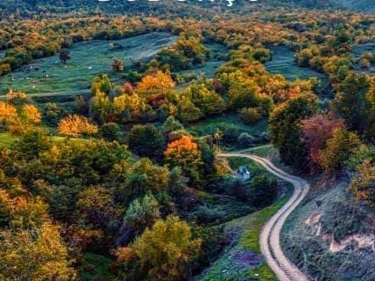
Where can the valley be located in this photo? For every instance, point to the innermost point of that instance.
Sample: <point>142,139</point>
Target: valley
<point>167,141</point>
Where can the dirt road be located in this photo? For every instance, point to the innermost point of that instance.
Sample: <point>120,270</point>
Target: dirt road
<point>270,236</point>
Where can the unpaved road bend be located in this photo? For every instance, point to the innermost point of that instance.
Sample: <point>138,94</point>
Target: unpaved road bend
<point>270,236</point>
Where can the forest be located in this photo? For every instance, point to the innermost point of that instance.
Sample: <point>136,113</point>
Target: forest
<point>113,117</point>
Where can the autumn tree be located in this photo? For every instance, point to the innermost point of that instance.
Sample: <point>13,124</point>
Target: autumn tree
<point>154,83</point>
<point>164,251</point>
<point>117,65</point>
<point>317,130</point>
<point>338,150</point>
<point>36,254</point>
<point>76,125</point>
<point>31,114</point>
<point>184,152</point>
<point>8,114</point>
<point>286,131</point>
<point>96,206</point>
<point>363,183</point>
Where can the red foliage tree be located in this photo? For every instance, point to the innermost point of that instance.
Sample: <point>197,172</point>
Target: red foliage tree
<point>317,130</point>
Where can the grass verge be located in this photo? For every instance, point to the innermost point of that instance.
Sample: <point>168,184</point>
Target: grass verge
<point>226,267</point>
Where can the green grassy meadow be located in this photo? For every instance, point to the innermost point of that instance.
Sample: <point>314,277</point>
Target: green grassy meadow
<point>283,63</point>
<point>88,59</point>
<point>218,55</point>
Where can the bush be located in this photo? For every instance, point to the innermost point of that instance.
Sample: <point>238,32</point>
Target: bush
<point>250,115</point>
<point>110,131</point>
<point>246,139</point>
<point>262,191</point>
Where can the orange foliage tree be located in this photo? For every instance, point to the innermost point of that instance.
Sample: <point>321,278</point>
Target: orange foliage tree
<point>158,82</point>
<point>184,152</point>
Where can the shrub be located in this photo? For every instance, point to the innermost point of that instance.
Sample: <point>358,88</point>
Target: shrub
<point>250,115</point>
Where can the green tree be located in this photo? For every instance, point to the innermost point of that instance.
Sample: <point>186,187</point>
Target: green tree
<point>142,213</point>
<point>101,83</point>
<point>262,191</point>
<point>110,131</point>
<point>146,141</point>
<point>351,103</point>
<point>286,131</point>
<point>64,55</point>
<point>171,124</point>
<point>144,178</point>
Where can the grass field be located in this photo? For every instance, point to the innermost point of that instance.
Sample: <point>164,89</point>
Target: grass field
<point>6,139</point>
<point>218,53</point>
<point>283,63</point>
<point>206,125</point>
<point>48,75</point>
<point>358,51</point>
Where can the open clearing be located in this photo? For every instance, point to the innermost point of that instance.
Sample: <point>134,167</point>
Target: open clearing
<point>88,59</point>
<point>283,63</point>
<point>217,59</point>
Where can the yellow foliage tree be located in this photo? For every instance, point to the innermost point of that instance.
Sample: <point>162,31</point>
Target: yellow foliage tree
<point>164,251</point>
<point>76,125</point>
<point>31,114</point>
<point>34,255</point>
<point>8,114</point>
<point>363,184</point>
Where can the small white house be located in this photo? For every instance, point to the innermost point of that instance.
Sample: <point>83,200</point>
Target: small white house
<point>243,173</point>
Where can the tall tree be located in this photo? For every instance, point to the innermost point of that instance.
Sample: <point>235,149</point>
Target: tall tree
<point>64,55</point>
<point>164,251</point>
<point>351,103</point>
<point>146,140</point>
<point>317,130</point>
<point>286,131</point>
<point>37,255</point>
<point>338,150</point>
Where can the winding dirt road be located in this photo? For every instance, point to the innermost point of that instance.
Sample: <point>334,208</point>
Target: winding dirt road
<point>270,236</point>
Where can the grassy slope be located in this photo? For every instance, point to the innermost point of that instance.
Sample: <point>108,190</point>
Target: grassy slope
<point>88,59</point>
<point>283,63</point>
<point>332,208</point>
<point>225,268</point>
<point>213,63</point>
<point>6,139</point>
<point>203,126</point>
